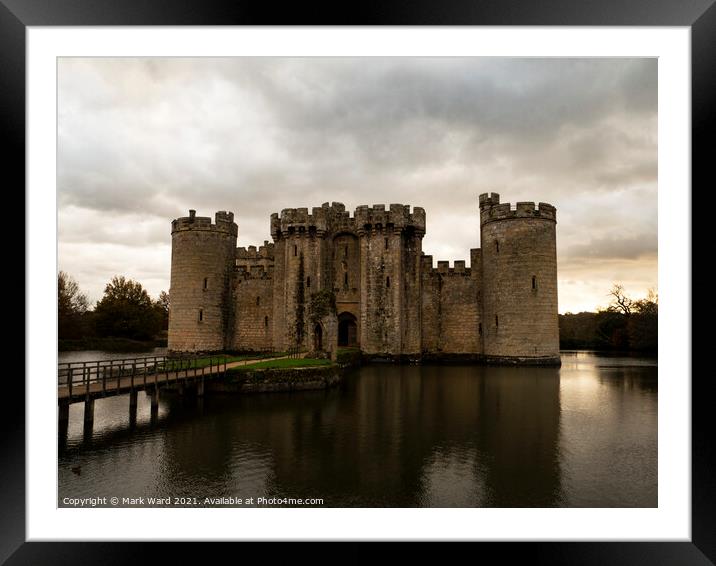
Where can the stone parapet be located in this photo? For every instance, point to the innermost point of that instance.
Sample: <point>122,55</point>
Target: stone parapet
<point>492,210</point>
<point>223,222</point>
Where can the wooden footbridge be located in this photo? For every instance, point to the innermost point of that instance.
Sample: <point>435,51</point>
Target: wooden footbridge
<point>87,381</point>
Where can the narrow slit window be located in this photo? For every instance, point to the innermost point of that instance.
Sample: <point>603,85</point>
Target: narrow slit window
<point>387,281</point>
<point>308,281</point>
<point>386,243</point>
<point>266,321</point>
<point>345,251</point>
<point>295,250</point>
<point>258,301</point>
<point>497,247</point>
<point>479,328</point>
<point>345,279</point>
<point>534,282</point>
<point>206,283</point>
<point>497,321</point>
<point>201,315</point>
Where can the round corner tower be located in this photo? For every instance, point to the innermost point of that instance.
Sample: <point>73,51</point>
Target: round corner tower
<point>203,258</point>
<point>519,273</point>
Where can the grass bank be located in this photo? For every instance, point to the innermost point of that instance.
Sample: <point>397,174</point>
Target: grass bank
<point>285,363</point>
<point>213,360</point>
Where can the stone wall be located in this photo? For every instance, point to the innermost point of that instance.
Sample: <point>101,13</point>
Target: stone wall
<point>278,322</point>
<point>253,297</point>
<point>430,306</point>
<point>451,317</point>
<point>411,290</point>
<point>459,311</point>
<point>271,380</point>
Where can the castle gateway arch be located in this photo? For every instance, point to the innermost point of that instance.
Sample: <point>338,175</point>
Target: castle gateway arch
<point>347,330</point>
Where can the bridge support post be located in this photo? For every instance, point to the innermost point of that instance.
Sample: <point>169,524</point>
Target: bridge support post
<point>89,411</point>
<point>132,408</point>
<point>64,412</point>
<point>154,411</point>
<point>63,418</point>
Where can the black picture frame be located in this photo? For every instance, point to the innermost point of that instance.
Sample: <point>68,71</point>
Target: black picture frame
<point>698,15</point>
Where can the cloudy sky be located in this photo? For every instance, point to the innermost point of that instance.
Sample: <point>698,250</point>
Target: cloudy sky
<point>141,141</point>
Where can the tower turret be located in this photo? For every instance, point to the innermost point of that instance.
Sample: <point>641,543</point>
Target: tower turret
<point>519,267</point>
<point>203,257</point>
<point>390,250</point>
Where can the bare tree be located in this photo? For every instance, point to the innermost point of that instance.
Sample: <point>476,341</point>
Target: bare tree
<point>620,302</point>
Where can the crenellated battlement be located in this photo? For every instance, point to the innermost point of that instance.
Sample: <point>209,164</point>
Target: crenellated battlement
<point>223,222</point>
<point>298,220</point>
<point>334,218</point>
<point>252,253</point>
<point>443,267</point>
<point>396,217</point>
<point>492,210</point>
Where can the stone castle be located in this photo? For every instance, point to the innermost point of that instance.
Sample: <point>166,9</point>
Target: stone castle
<point>331,279</point>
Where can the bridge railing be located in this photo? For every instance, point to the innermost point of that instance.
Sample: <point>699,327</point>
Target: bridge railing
<point>295,352</point>
<point>79,376</point>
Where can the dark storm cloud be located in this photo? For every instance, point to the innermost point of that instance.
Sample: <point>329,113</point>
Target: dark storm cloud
<point>143,140</point>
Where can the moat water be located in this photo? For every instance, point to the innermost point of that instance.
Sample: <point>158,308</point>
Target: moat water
<point>583,435</point>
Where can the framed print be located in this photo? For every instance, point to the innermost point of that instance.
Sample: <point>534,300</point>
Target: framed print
<point>220,173</point>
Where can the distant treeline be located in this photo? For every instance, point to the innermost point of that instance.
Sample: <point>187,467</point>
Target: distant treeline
<point>126,319</point>
<point>625,325</point>
<point>110,344</point>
